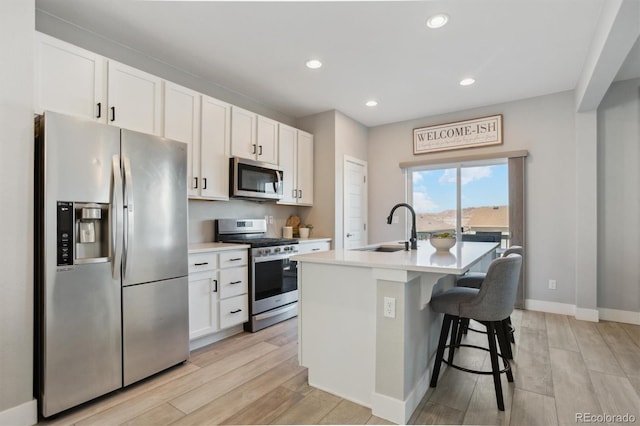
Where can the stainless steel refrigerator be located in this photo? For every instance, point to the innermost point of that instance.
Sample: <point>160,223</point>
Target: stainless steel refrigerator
<point>110,259</point>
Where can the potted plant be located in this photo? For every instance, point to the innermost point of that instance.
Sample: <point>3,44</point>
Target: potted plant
<point>305,230</point>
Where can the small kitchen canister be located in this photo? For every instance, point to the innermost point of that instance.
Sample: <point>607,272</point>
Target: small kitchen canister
<point>304,232</point>
<point>287,232</point>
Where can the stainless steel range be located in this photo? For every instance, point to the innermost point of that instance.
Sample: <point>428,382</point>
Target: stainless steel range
<point>273,278</point>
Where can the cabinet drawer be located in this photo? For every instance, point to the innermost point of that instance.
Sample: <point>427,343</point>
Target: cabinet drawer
<point>233,258</point>
<point>234,311</point>
<point>314,247</point>
<point>202,262</point>
<point>233,281</point>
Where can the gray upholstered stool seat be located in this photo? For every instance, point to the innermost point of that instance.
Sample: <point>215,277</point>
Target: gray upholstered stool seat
<point>474,280</point>
<point>490,305</point>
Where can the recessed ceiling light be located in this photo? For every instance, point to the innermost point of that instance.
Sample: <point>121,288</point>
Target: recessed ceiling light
<point>467,81</point>
<point>313,64</point>
<point>437,21</point>
<point>371,103</point>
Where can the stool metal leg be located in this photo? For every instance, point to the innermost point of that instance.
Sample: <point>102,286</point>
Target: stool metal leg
<point>455,340</point>
<point>446,324</point>
<point>491,334</point>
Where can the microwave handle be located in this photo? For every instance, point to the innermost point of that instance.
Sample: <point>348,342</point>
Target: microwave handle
<point>278,184</point>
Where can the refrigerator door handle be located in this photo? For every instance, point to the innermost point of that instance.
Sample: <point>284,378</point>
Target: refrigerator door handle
<point>129,217</point>
<point>116,222</point>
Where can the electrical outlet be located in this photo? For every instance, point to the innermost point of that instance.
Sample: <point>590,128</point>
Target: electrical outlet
<point>389,307</point>
<point>552,284</point>
<point>270,220</point>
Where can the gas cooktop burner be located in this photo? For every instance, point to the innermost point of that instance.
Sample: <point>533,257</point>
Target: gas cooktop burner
<point>261,242</point>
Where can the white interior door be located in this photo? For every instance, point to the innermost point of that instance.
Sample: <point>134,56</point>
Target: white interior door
<point>355,203</point>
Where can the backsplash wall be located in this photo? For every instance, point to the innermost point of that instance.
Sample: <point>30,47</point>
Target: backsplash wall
<point>203,213</point>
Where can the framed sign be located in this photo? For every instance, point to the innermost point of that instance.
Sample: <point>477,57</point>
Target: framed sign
<point>483,131</point>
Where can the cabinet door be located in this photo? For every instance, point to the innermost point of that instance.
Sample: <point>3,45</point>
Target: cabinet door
<point>69,79</point>
<point>203,304</point>
<point>304,180</point>
<point>134,99</point>
<point>287,161</point>
<point>243,133</point>
<point>182,123</point>
<point>267,140</point>
<point>214,151</point>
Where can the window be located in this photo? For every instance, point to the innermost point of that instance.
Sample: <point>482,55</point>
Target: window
<point>470,197</point>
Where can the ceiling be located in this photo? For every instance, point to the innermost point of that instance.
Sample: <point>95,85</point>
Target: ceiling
<point>370,50</point>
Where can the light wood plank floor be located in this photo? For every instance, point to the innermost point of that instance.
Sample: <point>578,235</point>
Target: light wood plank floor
<point>562,367</point>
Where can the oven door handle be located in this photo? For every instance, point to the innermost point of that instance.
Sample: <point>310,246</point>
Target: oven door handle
<point>275,312</point>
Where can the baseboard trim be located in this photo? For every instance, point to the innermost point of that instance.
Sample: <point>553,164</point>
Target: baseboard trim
<point>25,414</point>
<point>587,314</point>
<point>550,307</point>
<point>200,342</point>
<point>628,317</point>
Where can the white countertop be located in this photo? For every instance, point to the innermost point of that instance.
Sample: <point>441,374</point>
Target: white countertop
<point>204,247</point>
<point>426,259</point>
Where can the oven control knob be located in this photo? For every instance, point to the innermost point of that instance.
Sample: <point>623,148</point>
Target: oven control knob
<point>287,248</point>
<point>277,249</point>
<point>266,251</point>
<point>260,252</point>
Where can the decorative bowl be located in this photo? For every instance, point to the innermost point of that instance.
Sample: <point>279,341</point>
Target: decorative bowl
<point>442,243</point>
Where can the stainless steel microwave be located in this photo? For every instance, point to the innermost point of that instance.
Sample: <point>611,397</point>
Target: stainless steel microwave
<point>254,180</point>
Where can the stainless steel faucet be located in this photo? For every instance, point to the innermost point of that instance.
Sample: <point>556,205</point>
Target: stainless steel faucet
<point>414,234</point>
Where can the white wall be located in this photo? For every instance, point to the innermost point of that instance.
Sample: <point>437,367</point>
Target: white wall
<point>545,126</point>
<point>203,213</point>
<point>351,140</point>
<point>16,213</point>
<point>619,197</point>
<point>321,215</point>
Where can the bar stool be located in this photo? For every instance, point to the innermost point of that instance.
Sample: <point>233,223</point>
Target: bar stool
<point>474,280</point>
<point>490,305</point>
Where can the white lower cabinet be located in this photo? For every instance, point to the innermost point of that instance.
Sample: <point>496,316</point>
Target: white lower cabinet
<point>313,246</point>
<point>218,285</point>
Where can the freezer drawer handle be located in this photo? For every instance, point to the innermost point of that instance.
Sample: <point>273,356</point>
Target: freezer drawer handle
<point>235,259</point>
<point>201,264</point>
<point>235,282</point>
<point>236,311</point>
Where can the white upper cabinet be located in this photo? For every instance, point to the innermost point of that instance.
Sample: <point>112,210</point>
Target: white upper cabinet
<point>243,133</point>
<point>253,136</point>
<point>287,145</point>
<point>69,79</point>
<point>267,140</point>
<point>304,177</point>
<point>215,149</point>
<point>296,160</point>
<point>182,123</point>
<point>135,101</point>
<point>74,81</point>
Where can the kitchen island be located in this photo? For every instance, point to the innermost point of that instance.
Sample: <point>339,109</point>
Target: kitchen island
<point>366,332</point>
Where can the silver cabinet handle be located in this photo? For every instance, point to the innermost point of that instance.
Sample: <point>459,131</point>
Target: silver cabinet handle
<point>235,259</point>
<point>236,311</point>
<point>260,150</point>
<point>215,286</point>
<point>201,264</point>
<point>349,235</point>
<point>295,193</point>
<point>254,148</point>
<point>235,282</point>
<point>315,249</point>
<point>299,193</point>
